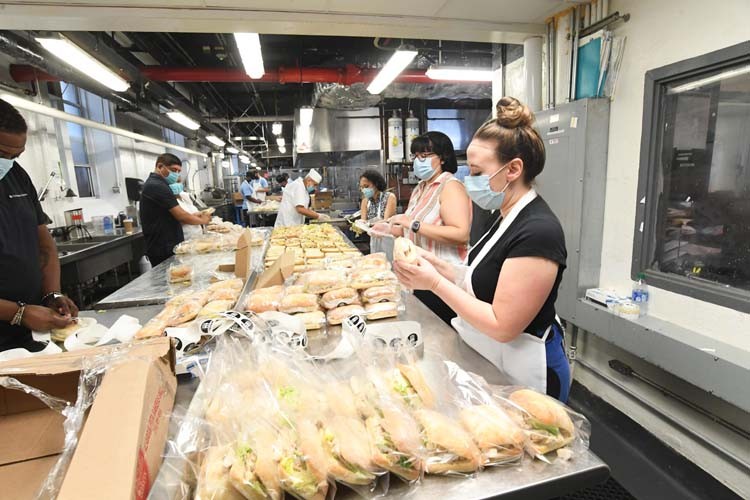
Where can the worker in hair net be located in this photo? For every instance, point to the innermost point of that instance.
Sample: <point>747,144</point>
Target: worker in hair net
<point>296,201</point>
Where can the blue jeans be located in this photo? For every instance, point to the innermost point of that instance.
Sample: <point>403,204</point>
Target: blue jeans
<point>558,369</point>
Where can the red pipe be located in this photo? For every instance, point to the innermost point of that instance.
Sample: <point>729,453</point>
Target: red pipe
<point>346,75</point>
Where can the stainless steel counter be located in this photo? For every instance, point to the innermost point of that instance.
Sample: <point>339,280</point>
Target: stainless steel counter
<point>533,479</point>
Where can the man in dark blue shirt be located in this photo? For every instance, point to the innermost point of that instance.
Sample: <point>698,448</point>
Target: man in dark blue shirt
<point>30,297</point>
<point>161,215</point>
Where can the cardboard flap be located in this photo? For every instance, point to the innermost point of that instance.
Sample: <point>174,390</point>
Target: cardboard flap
<point>73,361</point>
<point>31,435</point>
<point>242,255</point>
<point>279,271</point>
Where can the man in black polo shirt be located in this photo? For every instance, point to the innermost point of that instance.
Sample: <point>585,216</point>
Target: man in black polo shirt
<point>29,267</point>
<point>161,215</point>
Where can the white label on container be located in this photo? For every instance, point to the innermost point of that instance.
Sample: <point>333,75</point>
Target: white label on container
<point>554,118</point>
<point>554,141</point>
<point>643,200</point>
<point>573,122</point>
<point>641,229</point>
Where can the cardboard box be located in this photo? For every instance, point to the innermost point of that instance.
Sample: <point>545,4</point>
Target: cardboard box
<point>278,273</point>
<point>121,444</point>
<point>237,198</point>
<point>322,201</point>
<point>242,255</point>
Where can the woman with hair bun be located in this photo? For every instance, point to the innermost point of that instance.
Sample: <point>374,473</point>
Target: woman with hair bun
<point>505,296</point>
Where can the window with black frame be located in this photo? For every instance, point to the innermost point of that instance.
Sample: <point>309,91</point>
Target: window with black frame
<point>700,180</point>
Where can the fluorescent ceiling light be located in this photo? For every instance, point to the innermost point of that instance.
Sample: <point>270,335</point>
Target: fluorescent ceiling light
<point>280,141</point>
<point>305,116</point>
<point>232,150</point>
<point>395,65</point>
<point>253,164</point>
<point>215,141</point>
<point>41,109</point>
<point>77,58</point>
<point>252,138</point>
<point>244,159</point>
<point>459,74</point>
<point>225,164</point>
<point>724,75</point>
<point>183,120</point>
<point>252,59</point>
<point>276,128</point>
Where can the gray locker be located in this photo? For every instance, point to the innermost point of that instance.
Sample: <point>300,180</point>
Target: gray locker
<point>573,183</point>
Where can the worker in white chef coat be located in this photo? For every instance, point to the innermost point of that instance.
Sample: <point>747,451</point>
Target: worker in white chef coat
<point>296,200</point>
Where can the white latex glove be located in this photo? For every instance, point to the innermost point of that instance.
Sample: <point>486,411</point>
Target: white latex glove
<point>324,217</point>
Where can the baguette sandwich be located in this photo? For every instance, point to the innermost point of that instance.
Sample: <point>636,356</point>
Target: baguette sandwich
<point>544,420</point>
<point>409,384</point>
<point>449,446</point>
<point>394,440</point>
<point>497,436</point>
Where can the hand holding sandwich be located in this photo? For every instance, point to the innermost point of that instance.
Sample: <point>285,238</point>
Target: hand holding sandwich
<point>421,275</point>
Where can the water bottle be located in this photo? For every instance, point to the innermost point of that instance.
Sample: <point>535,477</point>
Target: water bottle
<point>640,293</point>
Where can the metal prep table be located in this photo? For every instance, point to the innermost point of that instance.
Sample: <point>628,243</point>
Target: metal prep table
<point>534,480</point>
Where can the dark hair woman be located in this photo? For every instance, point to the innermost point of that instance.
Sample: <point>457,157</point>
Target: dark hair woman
<point>438,217</point>
<point>376,202</point>
<point>505,298</point>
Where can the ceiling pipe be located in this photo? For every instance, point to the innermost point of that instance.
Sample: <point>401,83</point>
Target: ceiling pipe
<point>346,75</point>
<point>254,119</point>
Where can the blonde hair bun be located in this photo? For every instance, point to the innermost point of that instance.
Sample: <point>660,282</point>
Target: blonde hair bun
<point>512,113</point>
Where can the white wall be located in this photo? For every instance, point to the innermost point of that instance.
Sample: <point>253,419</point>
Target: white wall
<point>661,33</point>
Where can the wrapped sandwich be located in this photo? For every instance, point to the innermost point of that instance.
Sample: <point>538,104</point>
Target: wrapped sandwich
<point>381,310</point>
<point>450,448</point>
<point>213,477</point>
<point>299,302</point>
<point>154,328</point>
<point>323,281</point>
<point>224,294</point>
<point>262,302</point>
<point>409,384</point>
<point>362,279</point>
<point>345,449</point>
<point>180,273</point>
<point>234,284</point>
<point>186,311</point>
<point>254,472</point>
<point>387,293</point>
<point>341,297</point>
<point>312,320</point>
<point>60,334</point>
<point>499,438</point>
<point>544,420</point>
<point>338,315</point>
<point>395,443</point>
<point>374,261</point>
<point>215,307</point>
<point>300,472</point>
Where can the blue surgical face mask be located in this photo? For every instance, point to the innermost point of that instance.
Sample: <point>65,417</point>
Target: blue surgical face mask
<point>5,166</point>
<point>368,193</point>
<point>177,188</point>
<point>478,187</point>
<point>311,189</point>
<point>423,168</point>
<point>172,177</point>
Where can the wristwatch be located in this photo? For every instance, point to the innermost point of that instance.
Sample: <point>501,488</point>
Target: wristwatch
<point>16,321</point>
<point>52,296</point>
<point>415,225</point>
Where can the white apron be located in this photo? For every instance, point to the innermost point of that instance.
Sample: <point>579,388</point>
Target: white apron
<point>524,359</point>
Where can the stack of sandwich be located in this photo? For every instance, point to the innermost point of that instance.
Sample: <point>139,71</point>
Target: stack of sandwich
<point>183,309</point>
<point>313,246</point>
<point>277,425</point>
<point>364,286</point>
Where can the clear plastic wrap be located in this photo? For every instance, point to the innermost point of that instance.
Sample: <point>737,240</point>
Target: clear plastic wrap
<point>323,281</point>
<point>180,273</point>
<point>374,261</point>
<point>381,310</point>
<point>299,303</point>
<point>549,425</point>
<point>385,293</point>
<point>362,279</point>
<point>339,314</point>
<point>314,320</point>
<point>340,297</point>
